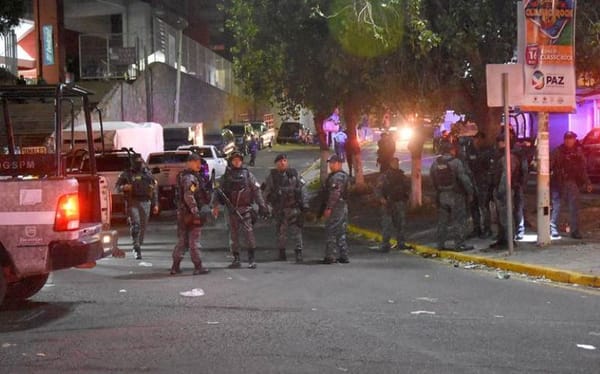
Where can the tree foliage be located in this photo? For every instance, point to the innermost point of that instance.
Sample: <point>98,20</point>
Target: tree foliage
<point>10,12</point>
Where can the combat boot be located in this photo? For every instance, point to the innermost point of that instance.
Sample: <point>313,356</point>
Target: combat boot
<point>200,270</point>
<point>236,263</point>
<point>137,252</point>
<point>251,261</point>
<point>175,268</point>
<point>299,258</point>
<point>282,256</point>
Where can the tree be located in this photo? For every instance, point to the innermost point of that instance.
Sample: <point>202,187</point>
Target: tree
<point>10,12</point>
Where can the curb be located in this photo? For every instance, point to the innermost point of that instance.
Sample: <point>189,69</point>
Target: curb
<point>557,275</point>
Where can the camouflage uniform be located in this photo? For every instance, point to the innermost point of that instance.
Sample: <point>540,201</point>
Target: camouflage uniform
<point>139,200</point>
<point>335,226</point>
<point>284,191</point>
<point>569,174</point>
<point>478,162</point>
<point>453,185</point>
<point>192,192</point>
<point>242,189</point>
<point>394,187</point>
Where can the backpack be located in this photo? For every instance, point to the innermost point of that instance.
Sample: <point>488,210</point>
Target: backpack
<point>445,179</point>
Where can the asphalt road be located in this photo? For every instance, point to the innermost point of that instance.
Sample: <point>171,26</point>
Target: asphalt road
<point>382,313</point>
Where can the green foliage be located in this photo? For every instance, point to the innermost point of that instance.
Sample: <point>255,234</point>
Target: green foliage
<point>10,12</point>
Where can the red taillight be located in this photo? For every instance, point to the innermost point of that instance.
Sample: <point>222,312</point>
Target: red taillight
<point>67,213</point>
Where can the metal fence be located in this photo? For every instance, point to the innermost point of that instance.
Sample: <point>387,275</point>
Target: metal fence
<point>106,56</point>
<point>118,56</point>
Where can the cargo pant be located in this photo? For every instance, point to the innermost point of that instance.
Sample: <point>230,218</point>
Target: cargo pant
<point>335,229</point>
<point>452,210</point>
<point>236,225</point>
<point>187,238</point>
<point>393,222</point>
<point>480,208</point>
<point>289,220</point>
<point>138,213</point>
<point>570,192</point>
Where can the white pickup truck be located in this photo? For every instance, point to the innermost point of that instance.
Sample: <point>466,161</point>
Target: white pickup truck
<point>209,153</point>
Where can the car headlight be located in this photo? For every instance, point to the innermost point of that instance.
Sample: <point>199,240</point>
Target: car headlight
<point>406,133</point>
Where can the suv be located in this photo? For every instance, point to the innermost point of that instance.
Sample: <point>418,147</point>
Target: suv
<point>48,219</point>
<point>591,149</point>
<point>224,142</point>
<point>265,134</point>
<point>293,132</point>
<point>243,133</point>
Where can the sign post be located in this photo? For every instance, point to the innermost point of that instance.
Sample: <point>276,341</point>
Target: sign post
<point>547,51</point>
<point>507,165</point>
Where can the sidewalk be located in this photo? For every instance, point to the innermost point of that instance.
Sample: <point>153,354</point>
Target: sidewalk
<point>565,260</point>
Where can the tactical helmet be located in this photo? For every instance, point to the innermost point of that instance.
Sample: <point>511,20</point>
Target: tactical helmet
<point>236,154</point>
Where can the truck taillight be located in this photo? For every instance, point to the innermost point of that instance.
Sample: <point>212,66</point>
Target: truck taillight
<point>67,213</point>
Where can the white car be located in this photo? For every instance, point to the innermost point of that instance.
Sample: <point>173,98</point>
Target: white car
<point>210,154</point>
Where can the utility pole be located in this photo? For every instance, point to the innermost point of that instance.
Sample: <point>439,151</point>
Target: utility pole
<point>543,181</point>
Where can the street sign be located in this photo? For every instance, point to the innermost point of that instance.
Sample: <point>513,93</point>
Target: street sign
<point>493,75</point>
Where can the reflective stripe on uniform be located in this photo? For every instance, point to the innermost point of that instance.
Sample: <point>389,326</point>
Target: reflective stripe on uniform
<point>27,218</point>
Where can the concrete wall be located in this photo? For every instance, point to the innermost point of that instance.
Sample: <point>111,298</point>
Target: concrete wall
<point>200,102</point>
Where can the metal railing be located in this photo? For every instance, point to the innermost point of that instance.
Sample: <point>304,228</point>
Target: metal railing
<point>123,56</point>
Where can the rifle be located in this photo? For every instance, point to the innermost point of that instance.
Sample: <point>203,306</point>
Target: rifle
<point>232,208</point>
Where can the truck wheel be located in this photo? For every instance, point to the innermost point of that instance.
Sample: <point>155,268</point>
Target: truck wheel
<point>26,287</point>
<point>2,285</point>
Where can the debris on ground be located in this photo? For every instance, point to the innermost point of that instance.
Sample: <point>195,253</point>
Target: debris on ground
<point>145,264</point>
<point>586,346</point>
<point>428,299</point>
<point>419,312</point>
<point>502,275</point>
<point>122,291</point>
<point>193,293</point>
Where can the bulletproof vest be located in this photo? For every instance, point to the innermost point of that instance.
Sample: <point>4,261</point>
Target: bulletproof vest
<point>201,195</point>
<point>236,185</point>
<point>394,185</point>
<point>285,188</point>
<point>444,175</point>
<point>343,180</point>
<point>142,185</point>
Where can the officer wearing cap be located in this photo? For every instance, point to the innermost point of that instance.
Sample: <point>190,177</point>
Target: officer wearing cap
<point>139,187</point>
<point>284,193</point>
<point>238,191</point>
<point>336,212</point>
<point>568,175</point>
<point>454,189</point>
<point>193,191</point>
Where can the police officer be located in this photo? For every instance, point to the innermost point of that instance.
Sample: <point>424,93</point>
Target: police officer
<point>569,174</point>
<point>192,192</point>
<point>454,188</point>
<point>252,149</point>
<point>500,192</point>
<point>284,192</point>
<point>139,187</point>
<point>393,190</point>
<point>238,191</point>
<point>386,148</point>
<point>336,212</point>
<point>478,159</point>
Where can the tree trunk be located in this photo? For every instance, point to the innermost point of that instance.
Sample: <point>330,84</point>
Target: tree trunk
<point>319,118</point>
<point>324,169</point>
<point>416,177</point>
<point>351,116</point>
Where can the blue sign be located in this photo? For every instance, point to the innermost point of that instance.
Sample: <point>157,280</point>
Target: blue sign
<point>47,45</point>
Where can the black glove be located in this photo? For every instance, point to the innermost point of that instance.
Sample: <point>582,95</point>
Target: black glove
<point>264,211</point>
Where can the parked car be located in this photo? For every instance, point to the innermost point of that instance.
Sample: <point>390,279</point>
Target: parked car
<point>224,141</point>
<point>292,132</point>
<point>165,167</point>
<point>265,133</point>
<point>209,153</point>
<point>591,149</point>
<point>243,133</point>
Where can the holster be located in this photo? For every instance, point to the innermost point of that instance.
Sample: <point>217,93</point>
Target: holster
<point>192,220</point>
